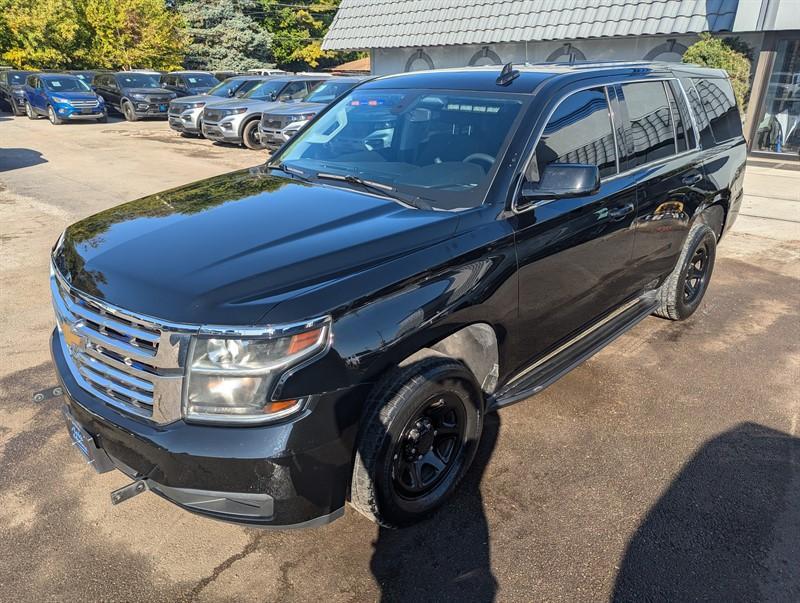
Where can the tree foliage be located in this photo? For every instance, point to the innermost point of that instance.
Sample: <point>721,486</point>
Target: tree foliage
<point>63,34</point>
<point>730,54</point>
<point>225,34</point>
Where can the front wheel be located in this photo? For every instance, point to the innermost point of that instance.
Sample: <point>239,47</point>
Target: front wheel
<point>418,438</point>
<point>30,112</point>
<point>51,115</point>
<point>680,295</point>
<point>129,112</point>
<point>250,136</point>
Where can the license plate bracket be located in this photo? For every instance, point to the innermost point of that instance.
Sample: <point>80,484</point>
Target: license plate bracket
<point>85,444</point>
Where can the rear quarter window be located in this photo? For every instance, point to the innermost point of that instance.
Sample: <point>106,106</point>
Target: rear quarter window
<point>718,103</point>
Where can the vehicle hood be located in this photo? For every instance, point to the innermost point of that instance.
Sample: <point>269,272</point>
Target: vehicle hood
<point>160,91</point>
<point>200,89</point>
<point>251,103</point>
<point>75,95</point>
<point>228,249</point>
<point>292,108</point>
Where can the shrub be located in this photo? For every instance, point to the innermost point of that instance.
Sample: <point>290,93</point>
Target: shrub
<point>730,54</point>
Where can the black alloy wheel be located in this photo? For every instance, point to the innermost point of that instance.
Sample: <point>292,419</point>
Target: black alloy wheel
<point>696,274</point>
<point>429,446</point>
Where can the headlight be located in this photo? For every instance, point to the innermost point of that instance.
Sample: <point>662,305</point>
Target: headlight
<point>236,111</point>
<point>60,100</point>
<point>196,105</point>
<point>19,92</point>
<point>232,380</point>
<point>138,96</point>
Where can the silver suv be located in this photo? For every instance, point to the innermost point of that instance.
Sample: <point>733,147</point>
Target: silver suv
<point>236,120</point>
<point>185,114</point>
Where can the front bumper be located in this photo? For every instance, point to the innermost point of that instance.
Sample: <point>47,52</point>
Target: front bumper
<point>73,114</point>
<point>290,474</point>
<point>274,138</point>
<point>186,121</point>
<point>224,131</point>
<point>147,109</point>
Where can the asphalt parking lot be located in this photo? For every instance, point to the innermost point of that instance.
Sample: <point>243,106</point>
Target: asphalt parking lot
<point>665,468</point>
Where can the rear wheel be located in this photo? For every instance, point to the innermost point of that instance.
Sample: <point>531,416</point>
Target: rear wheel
<point>51,115</point>
<point>129,112</point>
<point>250,136</point>
<point>419,436</point>
<point>680,295</point>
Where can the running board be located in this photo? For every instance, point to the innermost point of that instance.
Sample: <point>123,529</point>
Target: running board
<point>567,356</point>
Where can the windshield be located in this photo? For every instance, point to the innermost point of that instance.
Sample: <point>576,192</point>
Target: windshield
<point>225,87</point>
<point>328,91</point>
<point>18,78</point>
<point>201,80</point>
<point>265,90</point>
<point>138,80</point>
<point>442,146</point>
<point>65,84</point>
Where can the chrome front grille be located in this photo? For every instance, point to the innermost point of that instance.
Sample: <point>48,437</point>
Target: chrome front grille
<point>158,99</point>
<point>84,104</point>
<point>127,361</point>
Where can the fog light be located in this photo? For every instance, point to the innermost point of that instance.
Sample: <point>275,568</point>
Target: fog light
<point>226,125</point>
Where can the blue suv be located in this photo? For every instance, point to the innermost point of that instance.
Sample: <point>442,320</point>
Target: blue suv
<point>62,97</point>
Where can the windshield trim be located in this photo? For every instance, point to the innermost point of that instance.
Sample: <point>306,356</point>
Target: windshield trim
<point>525,100</point>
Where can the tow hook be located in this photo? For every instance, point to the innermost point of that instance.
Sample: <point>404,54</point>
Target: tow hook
<point>127,492</point>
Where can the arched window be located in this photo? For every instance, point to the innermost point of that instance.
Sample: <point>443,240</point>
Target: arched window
<point>567,54</point>
<point>485,56</point>
<point>670,51</point>
<point>419,61</point>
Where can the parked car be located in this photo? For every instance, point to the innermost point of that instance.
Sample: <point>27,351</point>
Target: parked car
<point>236,121</point>
<point>62,97</point>
<point>188,83</point>
<point>12,90</point>
<point>280,124</point>
<point>270,72</point>
<point>264,345</point>
<point>85,75</point>
<point>186,114</point>
<point>134,94</point>
<point>224,75</point>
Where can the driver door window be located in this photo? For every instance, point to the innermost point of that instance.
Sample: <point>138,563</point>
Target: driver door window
<point>293,91</point>
<point>579,131</point>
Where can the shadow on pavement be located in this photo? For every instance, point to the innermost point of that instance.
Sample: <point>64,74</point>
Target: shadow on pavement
<point>14,159</point>
<point>728,527</point>
<point>447,557</point>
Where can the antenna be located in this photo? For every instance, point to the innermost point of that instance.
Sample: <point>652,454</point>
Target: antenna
<point>507,75</point>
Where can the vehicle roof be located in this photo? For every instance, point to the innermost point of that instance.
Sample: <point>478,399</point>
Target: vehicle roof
<point>295,78</point>
<point>49,75</point>
<point>347,78</point>
<point>187,72</point>
<point>530,75</point>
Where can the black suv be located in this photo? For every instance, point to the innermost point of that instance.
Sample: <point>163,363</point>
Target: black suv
<point>188,83</point>
<point>265,345</point>
<point>12,90</point>
<point>134,94</point>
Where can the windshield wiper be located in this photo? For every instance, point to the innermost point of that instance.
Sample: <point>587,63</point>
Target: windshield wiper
<point>294,172</point>
<point>379,188</point>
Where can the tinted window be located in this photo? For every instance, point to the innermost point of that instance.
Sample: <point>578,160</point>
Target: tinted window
<point>328,91</point>
<point>201,80</point>
<point>720,108</point>
<point>649,135</point>
<point>706,137</point>
<point>265,90</point>
<point>579,131</point>
<point>17,79</point>
<point>294,91</point>
<point>65,84</point>
<point>442,146</point>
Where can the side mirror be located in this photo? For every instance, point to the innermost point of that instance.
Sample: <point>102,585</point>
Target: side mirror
<point>231,92</point>
<point>563,181</point>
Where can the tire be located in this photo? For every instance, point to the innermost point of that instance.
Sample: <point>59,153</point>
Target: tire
<point>431,410</point>
<point>128,111</point>
<point>51,115</point>
<point>248,136</point>
<point>103,119</point>
<point>680,295</point>
<point>200,129</point>
<point>30,112</point>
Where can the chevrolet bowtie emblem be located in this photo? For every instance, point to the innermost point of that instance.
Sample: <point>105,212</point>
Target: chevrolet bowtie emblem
<point>71,338</point>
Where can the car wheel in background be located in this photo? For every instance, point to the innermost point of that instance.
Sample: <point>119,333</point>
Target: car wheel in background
<point>680,295</point>
<point>103,118</point>
<point>30,112</point>
<point>250,136</point>
<point>200,129</point>
<point>419,435</point>
<point>51,115</point>
<point>128,111</point>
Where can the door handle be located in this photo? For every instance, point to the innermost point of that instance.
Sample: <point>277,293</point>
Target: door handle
<point>618,213</point>
<point>692,179</point>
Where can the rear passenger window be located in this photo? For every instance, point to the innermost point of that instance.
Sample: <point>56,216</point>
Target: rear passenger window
<point>579,131</point>
<point>719,104</point>
<point>650,135</point>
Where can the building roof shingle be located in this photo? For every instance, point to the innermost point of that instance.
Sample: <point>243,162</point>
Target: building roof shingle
<point>361,24</point>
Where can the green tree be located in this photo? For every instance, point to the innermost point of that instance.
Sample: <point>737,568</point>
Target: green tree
<point>297,32</point>
<point>225,34</point>
<point>38,34</point>
<point>134,33</point>
<point>730,54</point>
